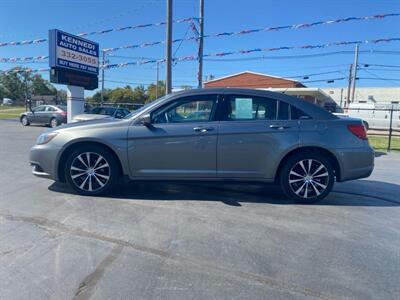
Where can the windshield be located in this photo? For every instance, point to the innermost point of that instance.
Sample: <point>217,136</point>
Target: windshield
<point>144,107</point>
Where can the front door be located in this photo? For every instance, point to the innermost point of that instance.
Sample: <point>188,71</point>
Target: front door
<point>180,142</point>
<point>253,134</point>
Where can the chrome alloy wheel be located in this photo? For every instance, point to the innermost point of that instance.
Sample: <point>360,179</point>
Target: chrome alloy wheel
<point>308,178</point>
<point>90,171</point>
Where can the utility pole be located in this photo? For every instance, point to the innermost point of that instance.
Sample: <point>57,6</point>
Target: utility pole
<point>168,59</point>
<point>201,40</point>
<point>355,65</point>
<point>157,75</point>
<point>349,85</point>
<point>102,77</point>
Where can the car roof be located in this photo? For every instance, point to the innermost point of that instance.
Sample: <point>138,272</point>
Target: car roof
<point>315,111</point>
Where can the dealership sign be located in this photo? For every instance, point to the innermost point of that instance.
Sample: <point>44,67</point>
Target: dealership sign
<point>75,58</point>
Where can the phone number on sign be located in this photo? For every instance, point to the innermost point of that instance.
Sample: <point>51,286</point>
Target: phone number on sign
<point>79,57</point>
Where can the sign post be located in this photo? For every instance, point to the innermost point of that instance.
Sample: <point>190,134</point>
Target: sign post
<point>75,101</point>
<point>74,61</point>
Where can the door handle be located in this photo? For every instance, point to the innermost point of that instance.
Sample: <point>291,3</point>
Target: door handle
<point>203,129</point>
<point>278,127</point>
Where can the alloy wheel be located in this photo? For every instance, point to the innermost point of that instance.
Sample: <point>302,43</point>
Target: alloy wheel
<point>24,121</point>
<point>90,171</point>
<point>53,123</point>
<point>308,178</point>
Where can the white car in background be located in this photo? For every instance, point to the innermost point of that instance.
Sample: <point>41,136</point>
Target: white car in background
<point>374,116</point>
<point>102,112</point>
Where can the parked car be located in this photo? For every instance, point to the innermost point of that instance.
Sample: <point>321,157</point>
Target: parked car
<point>101,113</point>
<point>245,135</point>
<point>52,115</point>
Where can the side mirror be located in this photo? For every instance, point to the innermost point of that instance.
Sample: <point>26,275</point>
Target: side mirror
<point>145,120</point>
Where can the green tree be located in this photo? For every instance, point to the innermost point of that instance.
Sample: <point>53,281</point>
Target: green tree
<point>139,94</point>
<point>152,88</point>
<point>40,86</point>
<point>16,85</point>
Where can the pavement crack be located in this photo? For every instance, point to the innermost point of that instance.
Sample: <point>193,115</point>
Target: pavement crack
<point>88,284</point>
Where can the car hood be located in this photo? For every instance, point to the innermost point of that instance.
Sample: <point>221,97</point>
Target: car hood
<point>89,123</point>
<point>86,117</point>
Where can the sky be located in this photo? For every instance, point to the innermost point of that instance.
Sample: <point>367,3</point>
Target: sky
<point>31,19</point>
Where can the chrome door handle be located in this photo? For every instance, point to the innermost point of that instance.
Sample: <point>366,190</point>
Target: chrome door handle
<point>203,129</point>
<point>279,127</point>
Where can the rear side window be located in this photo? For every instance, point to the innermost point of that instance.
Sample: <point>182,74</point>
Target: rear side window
<point>297,114</point>
<point>242,107</point>
<point>283,111</point>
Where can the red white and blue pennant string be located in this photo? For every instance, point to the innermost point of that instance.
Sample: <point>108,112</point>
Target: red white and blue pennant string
<point>103,31</point>
<point>236,52</point>
<point>191,21</point>
<point>248,51</point>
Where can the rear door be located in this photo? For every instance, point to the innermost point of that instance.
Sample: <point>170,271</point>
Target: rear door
<point>253,134</point>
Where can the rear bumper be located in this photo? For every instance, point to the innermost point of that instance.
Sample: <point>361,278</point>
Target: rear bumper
<point>356,163</point>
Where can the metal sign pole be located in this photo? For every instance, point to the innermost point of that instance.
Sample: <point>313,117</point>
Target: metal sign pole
<point>75,101</point>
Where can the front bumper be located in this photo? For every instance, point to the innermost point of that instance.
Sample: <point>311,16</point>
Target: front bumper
<point>356,163</point>
<point>43,158</point>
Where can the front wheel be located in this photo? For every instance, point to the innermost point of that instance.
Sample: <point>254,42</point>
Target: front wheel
<point>25,121</point>
<point>307,177</point>
<point>91,170</point>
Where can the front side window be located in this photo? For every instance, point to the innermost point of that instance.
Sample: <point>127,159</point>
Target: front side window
<point>50,108</point>
<point>250,108</point>
<point>39,108</point>
<point>191,109</point>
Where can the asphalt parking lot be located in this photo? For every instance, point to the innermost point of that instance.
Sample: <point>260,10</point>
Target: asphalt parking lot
<point>194,241</point>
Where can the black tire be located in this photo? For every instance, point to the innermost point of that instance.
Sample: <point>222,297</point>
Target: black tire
<point>54,123</point>
<point>92,182</point>
<point>311,187</point>
<point>25,121</point>
<point>366,125</point>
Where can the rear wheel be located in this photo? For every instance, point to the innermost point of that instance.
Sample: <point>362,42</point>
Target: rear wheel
<point>25,121</point>
<point>307,177</point>
<point>54,123</point>
<point>91,170</point>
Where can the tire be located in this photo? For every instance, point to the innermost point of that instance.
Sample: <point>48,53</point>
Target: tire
<point>366,125</point>
<point>307,183</point>
<point>25,121</point>
<point>87,178</point>
<point>54,122</point>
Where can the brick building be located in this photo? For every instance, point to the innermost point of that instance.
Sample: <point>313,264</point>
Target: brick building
<point>248,79</point>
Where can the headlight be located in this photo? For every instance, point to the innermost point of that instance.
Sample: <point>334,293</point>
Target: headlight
<point>44,138</point>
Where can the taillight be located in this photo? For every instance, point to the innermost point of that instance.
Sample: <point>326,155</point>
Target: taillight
<point>63,113</point>
<point>358,130</point>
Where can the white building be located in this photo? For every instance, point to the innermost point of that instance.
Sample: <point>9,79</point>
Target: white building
<point>365,95</point>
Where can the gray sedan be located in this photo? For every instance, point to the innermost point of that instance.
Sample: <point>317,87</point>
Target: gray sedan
<point>53,115</point>
<point>211,135</point>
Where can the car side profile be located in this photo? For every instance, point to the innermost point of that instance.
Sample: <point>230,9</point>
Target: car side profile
<point>52,115</point>
<point>221,134</point>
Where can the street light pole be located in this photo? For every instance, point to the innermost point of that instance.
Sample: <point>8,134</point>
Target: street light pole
<point>355,65</point>
<point>168,59</point>
<point>200,51</point>
<point>102,77</point>
<point>157,75</point>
